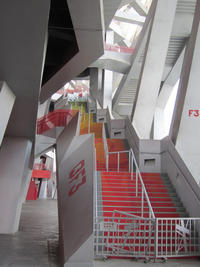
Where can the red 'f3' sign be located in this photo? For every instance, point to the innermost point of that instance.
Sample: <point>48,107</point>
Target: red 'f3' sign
<point>77,177</point>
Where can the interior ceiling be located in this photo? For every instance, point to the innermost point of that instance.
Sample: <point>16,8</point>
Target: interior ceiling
<point>180,33</point>
<point>62,44</point>
<point>88,28</point>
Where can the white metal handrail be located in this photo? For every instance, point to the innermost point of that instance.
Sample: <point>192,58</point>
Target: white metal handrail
<point>125,235</point>
<point>128,235</point>
<point>105,145</point>
<point>138,178</point>
<point>118,158</point>
<point>138,175</point>
<point>177,237</point>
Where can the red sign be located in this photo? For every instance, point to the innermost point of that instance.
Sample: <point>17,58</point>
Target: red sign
<point>194,113</point>
<point>77,177</point>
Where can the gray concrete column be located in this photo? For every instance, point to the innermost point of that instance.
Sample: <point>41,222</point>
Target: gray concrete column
<point>185,130</point>
<point>107,93</point>
<point>14,159</point>
<point>108,78</point>
<point>7,100</point>
<point>153,66</point>
<point>160,130</point>
<point>96,85</point>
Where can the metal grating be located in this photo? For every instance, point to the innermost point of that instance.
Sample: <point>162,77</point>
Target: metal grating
<point>129,92</point>
<point>176,45</point>
<point>186,6</point>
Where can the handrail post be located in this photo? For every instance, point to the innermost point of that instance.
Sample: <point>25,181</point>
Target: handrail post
<point>129,161</point>
<point>156,238</point>
<point>107,159</point>
<point>118,161</point>
<point>136,182</point>
<point>132,160</point>
<point>142,208</point>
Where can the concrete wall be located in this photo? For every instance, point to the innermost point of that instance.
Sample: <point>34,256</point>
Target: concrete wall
<point>14,159</point>
<point>23,29</point>
<point>116,127</point>
<point>150,155</point>
<point>43,109</point>
<point>132,138</point>
<point>75,173</point>
<point>108,121</point>
<point>186,187</point>
<point>7,99</point>
<point>96,84</point>
<point>91,104</point>
<point>101,115</point>
<point>162,156</point>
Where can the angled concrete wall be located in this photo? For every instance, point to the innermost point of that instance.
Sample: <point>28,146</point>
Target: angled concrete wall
<point>75,174</point>
<point>14,159</point>
<point>7,99</point>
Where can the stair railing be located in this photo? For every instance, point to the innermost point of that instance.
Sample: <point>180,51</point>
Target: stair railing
<point>178,237</point>
<point>118,153</point>
<point>139,184</point>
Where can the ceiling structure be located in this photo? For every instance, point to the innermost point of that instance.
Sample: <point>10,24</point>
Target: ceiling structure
<point>88,29</point>
<point>126,18</point>
<point>125,94</point>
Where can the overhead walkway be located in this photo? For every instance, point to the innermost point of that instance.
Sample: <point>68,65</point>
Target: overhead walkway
<point>115,58</point>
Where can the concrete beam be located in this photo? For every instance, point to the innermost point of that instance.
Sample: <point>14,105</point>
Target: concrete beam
<point>185,129</point>
<point>110,7</point>
<point>170,81</point>
<point>137,5</point>
<point>22,60</point>
<point>129,18</point>
<point>113,26</point>
<point>89,30</point>
<point>153,66</point>
<point>114,61</point>
<point>138,49</point>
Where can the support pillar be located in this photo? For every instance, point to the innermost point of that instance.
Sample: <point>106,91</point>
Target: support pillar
<point>108,78</point>
<point>153,66</point>
<point>185,130</point>
<point>96,85</point>
<point>14,160</point>
<point>161,127</point>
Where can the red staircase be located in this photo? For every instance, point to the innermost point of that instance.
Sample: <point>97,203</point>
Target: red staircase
<point>125,235</point>
<point>32,191</point>
<point>117,145</point>
<point>39,171</point>
<point>57,118</point>
<point>119,193</point>
<point>100,155</point>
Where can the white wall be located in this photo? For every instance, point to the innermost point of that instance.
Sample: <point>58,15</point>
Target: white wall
<point>181,178</point>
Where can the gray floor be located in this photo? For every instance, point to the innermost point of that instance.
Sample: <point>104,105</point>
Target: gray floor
<point>35,245</point>
<point>36,242</point>
<point>140,263</point>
